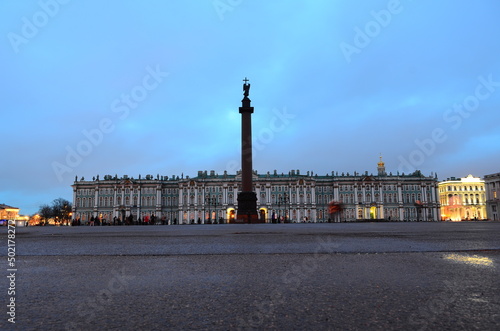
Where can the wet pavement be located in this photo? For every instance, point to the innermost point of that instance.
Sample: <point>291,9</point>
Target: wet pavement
<point>376,276</point>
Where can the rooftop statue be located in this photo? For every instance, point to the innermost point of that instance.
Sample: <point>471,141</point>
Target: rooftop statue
<point>246,87</point>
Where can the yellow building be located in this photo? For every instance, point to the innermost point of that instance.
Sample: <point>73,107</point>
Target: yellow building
<point>8,212</point>
<point>462,199</point>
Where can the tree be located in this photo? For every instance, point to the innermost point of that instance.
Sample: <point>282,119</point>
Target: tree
<point>45,212</point>
<point>60,209</point>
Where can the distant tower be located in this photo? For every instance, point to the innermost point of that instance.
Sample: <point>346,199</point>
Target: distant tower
<point>247,199</point>
<point>381,167</point>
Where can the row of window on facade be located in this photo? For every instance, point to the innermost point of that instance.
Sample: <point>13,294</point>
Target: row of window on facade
<point>275,199</point>
<point>457,199</point>
<point>217,189</point>
<point>461,188</point>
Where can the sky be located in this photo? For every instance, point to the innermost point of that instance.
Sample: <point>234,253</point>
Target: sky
<point>153,87</point>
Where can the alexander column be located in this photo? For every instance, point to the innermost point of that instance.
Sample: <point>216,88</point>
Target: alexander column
<point>247,199</point>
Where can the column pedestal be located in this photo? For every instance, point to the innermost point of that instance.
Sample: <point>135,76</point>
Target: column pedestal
<point>247,208</point>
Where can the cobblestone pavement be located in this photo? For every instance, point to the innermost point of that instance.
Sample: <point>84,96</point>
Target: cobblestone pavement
<point>363,276</point>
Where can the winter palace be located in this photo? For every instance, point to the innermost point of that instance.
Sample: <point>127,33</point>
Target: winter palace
<point>293,197</point>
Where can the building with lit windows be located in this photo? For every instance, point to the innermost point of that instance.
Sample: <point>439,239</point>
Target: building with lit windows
<point>492,187</point>
<point>462,199</point>
<point>291,197</point>
<point>8,212</point>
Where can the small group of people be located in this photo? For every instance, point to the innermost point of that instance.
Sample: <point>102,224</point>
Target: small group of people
<point>129,220</point>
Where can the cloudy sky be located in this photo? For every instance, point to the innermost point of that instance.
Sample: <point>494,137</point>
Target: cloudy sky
<point>153,87</point>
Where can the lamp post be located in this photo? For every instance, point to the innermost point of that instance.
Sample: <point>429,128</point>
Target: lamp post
<point>209,200</point>
<point>214,200</point>
<point>282,200</point>
<point>279,209</point>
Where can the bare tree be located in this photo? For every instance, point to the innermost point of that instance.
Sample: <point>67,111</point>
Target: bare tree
<point>61,209</point>
<point>45,213</point>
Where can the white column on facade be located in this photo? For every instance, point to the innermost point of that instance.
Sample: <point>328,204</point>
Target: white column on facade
<point>96,200</point>
<point>224,195</point>
<point>139,201</point>
<point>268,194</point>
<point>158,201</point>
<point>96,197</point>
<point>74,204</point>
<point>123,194</point>
<point>257,193</point>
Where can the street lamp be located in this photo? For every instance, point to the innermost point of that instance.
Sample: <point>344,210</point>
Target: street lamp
<point>279,209</point>
<point>283,200</point>
<point>209,200</point>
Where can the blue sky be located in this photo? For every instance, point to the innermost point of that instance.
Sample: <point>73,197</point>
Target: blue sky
<point>153,87</point>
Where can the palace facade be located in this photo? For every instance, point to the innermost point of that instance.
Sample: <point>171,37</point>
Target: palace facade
<point>291,197</point>
<point>462,199</point>
<point>492,186</point>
